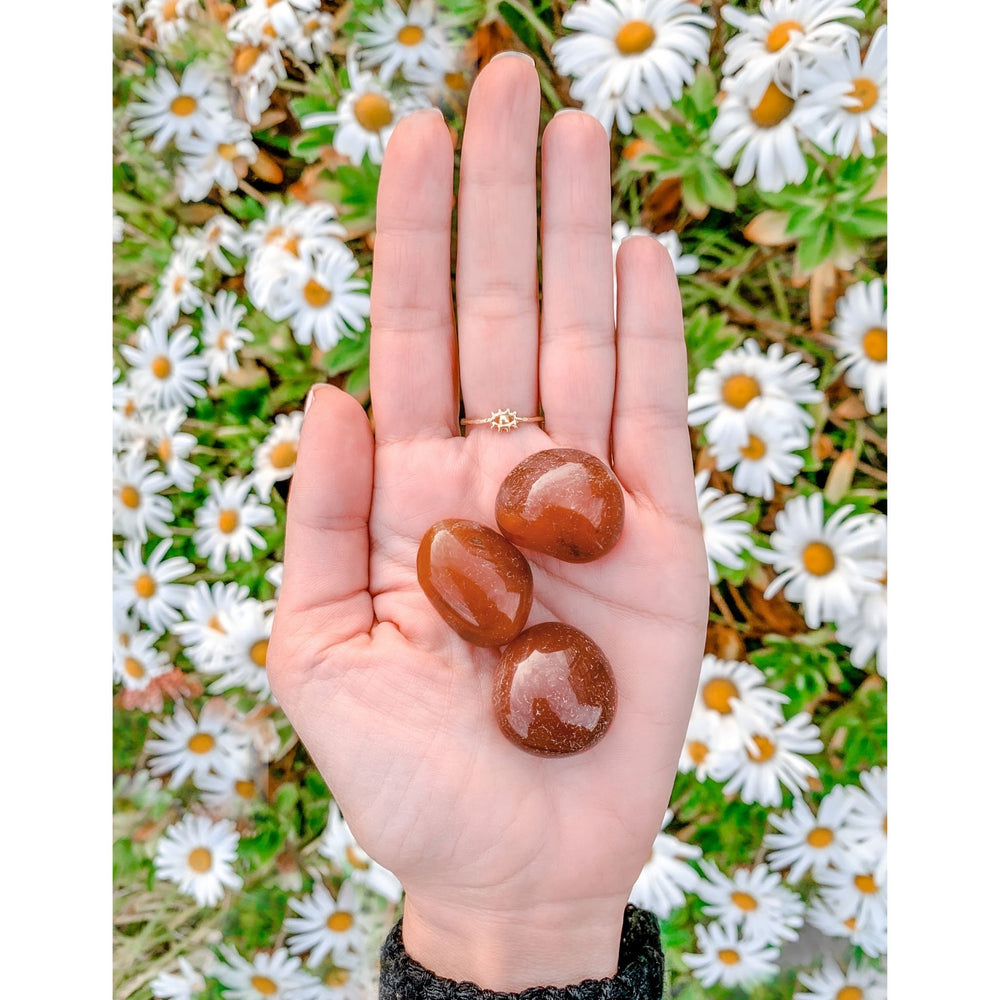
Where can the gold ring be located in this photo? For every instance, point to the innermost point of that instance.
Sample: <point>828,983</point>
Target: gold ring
<point>503,420</point>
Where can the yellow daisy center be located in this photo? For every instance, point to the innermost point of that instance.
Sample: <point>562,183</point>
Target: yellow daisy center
<point>744,901</point>
<point>865,884</point>
<point>244,788</point>
<point>311,25</point>
<point>885,824</point>
<point>850,993</point>
<point>356,858</point>
<point>262,984</point>
<point>169,12</point>
<point>220,341</point>
<point>754,449</point>
<point>269,31</point>
<point>161,366</point>
<point>214,623</point>
<point>875,344</point>
<point>183,105</point>
<point>292,246</point>
<point>818,559</point>
<point>145,585</point>
<point>244,59</point>
<point>739,390</point>
<point>697,750</point>
<point>315,294</point>
<point>228,521</point>
<point>729,957</point>
<point>201,743</point>
<point>258,652</point>
<point>133,667</point>
<point>851,923</point>
<point>177,284</point>
<point>336,977</point>
<point>820,836</point>
<point>774,107</point>
<point>283,455</point>
<point>718,694</point>
<point>200,859</point>
<point>410,34</point>
<point>165,450</point>
<point>779,35</point>
<point>340,921</point>
<point>226,150</point>
<point>764,749</point>
<point>634,37</point>
<point>865,91</point>
<point>373,112</point>
<point>130,497</point>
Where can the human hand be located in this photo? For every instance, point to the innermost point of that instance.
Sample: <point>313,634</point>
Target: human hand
<point>516,868</point>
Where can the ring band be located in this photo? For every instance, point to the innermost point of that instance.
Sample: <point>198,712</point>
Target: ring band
<point>503,420</point>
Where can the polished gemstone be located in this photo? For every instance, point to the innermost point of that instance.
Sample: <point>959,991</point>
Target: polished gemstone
<point>563,502</point>
<point>476,580</point>
<point>553,691</point>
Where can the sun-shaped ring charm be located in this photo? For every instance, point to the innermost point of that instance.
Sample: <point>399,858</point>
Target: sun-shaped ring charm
<point>503,420</point>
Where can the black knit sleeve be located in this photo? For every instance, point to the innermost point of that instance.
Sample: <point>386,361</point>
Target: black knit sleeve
<point>639,977</point>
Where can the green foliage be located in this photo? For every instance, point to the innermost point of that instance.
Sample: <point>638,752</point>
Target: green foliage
<point>682,148</point>
<point>255,917</point>
<point>707,336</point>
<point>128,738</point>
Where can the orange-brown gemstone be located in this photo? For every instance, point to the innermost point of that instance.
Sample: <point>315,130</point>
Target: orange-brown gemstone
<point>563,502</point>
<point>553,691</point>
<point>476,580</point>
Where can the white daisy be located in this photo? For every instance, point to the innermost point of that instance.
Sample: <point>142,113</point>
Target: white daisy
<point>866,631</point>
<point>823,564</point>
<point>339,846</point>
<point>228,794</point>
<point>274,576</point>
<point>726,959</point>
<point>768,457</point>
<point>171,110</point>
<point>752,901</point>
<point>256,68</point>
<point>165,368</point>
<point>725,535</point>
<point>326,926</point>
<point>322,298</point>
<point>866,828</point>
<point>192,746</point>
<point>132,413</point>
<point>172,447</point>
<point>213,158</point>
<point>783,40</point>
<point>274,458</point>
<point>147,586</point>
<point>414,42</point>
<point>830,982</point>
<point>627,56</point>
<point>244,657</point>
<point>862,108</point>
<point>227,522</point>
<point>221,232</point>
<point>807,843</point>
<point>666,875</point>
<point>365,117</point>
<point>180,985</point>
<point>197,854</point>
<point>178,292</point>
<point>771,759</point>
<point>137,507</point>
<point>137,661</point>
<point>868,935</point>
<point>684,263</point>
<point>856,891</point>
<point>268,977</point>
<point>336,984</point>
<point>765,132</point>
<point>746,381</point>
<point>202,633</point>
<point>860,331</point>
<point>278,18</point>
<point>700,752</point>
<point>736,697</point>
<point>222,335</point>
<point>312,37</point>
<point>168,17</point>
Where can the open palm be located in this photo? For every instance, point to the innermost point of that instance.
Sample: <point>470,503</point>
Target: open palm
<point>394,708</point>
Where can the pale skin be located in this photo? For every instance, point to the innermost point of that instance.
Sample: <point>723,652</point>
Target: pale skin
<point>516,868</point>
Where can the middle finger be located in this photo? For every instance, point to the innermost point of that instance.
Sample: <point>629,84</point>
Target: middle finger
<point>496,279</point>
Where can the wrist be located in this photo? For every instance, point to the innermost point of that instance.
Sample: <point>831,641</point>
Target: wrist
<point>547,945</point>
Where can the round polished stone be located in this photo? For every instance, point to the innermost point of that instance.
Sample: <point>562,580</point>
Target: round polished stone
<point>476,580</point>
<point>553,690</point>
<point>563,502</point>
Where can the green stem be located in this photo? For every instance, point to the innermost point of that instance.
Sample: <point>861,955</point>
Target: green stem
<point>543,31</point>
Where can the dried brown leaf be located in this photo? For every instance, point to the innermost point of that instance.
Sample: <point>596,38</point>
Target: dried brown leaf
<point>769,229</point>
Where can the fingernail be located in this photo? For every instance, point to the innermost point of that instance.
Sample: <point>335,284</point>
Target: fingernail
<point>518,55</point>
<point>569,111</point>
<point>311,394</point>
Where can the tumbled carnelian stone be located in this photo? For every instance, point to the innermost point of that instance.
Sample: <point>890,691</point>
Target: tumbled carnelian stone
<point>476,580</point>
<point>563,502</point>
<point>553,690</point>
